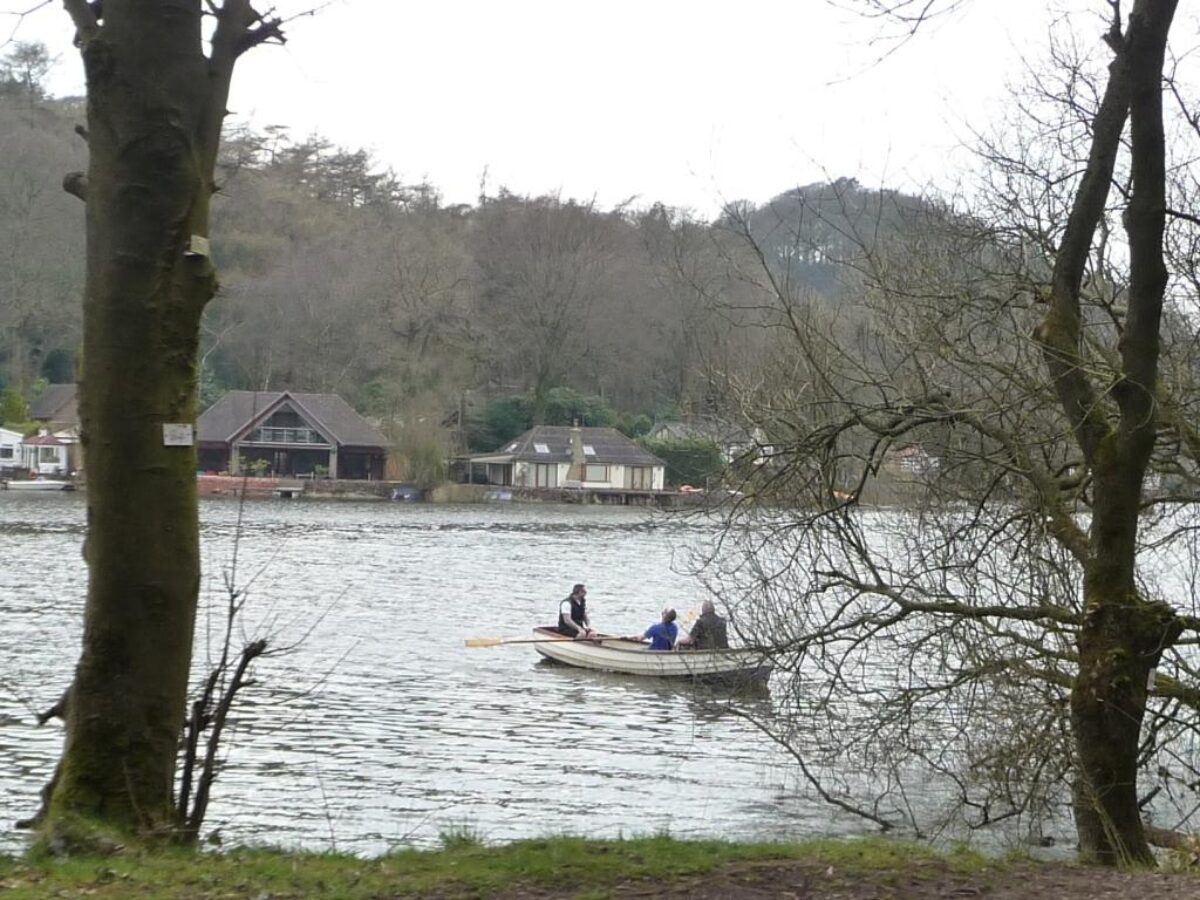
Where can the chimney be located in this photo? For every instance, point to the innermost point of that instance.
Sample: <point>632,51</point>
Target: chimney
<point>577,458</point>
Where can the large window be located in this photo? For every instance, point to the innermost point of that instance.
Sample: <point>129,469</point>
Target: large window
<point>271,435</point>
<point>6,452</point>
<point>641,478</point>
<point>595,472</point>
<point>545,475</point>
<point>48,454</point>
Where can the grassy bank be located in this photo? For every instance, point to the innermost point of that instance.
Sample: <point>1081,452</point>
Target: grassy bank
<point>658,867</point>
<point>463,868</point>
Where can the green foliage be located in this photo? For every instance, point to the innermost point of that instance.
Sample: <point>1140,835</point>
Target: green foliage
<point>634,425</point>
<point>59,366</point>
<point>566,406</point>
<point>503,419</point>
<point>506,417</point>
<point>13,408</point>
<point>426,460</point>
<point>210,387</point>
<point>696,461</point>
<point>374,399</point>
<point>23,70</point>
<point>460,837</point>
<point>256,467</point>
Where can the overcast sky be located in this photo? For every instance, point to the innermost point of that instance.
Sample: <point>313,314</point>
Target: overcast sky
<point>690,103</point>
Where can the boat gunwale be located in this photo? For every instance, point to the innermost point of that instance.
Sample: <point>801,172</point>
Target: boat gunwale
<point>553,635</point>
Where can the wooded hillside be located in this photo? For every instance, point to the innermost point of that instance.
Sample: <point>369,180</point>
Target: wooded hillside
<point>336,275</point>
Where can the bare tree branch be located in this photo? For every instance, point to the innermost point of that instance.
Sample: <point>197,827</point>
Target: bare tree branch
<point>76,184</point>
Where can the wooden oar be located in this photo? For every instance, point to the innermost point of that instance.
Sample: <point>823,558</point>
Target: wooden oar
<point>496,642</point>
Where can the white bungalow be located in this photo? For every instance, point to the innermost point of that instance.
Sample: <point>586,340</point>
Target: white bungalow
<point>554,456</point>
<point>48,454</point>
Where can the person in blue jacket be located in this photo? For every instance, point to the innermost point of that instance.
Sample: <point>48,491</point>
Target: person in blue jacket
<point>662,634</point>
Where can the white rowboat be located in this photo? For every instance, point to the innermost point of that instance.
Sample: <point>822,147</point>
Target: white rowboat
<point>614,654</point>
<point>37,484</point>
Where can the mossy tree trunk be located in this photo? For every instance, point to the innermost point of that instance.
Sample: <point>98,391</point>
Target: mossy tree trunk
<point>1122,635</point>
<point>156,103</point>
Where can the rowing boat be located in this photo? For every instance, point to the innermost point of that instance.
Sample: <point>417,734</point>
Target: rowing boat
<point>37,484</point>
<point>606,653</point>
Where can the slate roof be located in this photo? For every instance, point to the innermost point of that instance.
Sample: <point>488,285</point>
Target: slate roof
<point>237,411</point>
<point>57,403</point>
<point>715,430</point>
<point>45,440</point>
<point>610,445</point>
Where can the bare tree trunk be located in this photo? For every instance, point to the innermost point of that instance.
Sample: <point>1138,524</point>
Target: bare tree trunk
<point>1122,635</point>
<point>155,108</point>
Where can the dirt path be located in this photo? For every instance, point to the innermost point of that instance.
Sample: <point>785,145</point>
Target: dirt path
<point>919,881</point>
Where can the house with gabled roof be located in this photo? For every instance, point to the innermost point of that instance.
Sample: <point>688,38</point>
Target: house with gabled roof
<point>556,456</point>
<point>56,410</point>
<point>289,434</point>
<point>731,439</point>
<point>48,454</point>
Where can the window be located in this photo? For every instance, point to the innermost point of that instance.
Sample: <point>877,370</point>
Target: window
<point>589,450</point>
<point>595,472</point>
<point>274,435</point>
<point>545,475</point>
<point>6,452</point>
<point>641,478</point>
<point>541,448</point>
<point>48,454</point>
<point>511,447</point>
<point>285,417</point>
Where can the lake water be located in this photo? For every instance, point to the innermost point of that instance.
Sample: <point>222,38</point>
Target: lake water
<point>380,728</point>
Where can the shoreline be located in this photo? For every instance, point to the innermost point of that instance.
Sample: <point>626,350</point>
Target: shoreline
<point>448,492</point>
<point>561,867</point>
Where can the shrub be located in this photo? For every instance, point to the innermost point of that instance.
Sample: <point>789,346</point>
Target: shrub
<point>695,461</point>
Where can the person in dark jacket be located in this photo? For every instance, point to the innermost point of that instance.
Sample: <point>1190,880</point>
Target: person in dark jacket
<point>710,631</point>
<point>573,618</point>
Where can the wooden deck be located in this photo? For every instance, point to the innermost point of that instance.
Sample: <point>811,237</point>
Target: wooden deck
<point>587,496</point>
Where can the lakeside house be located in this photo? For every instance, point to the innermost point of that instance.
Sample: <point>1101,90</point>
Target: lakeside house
<point>57,408</point>
<point>56,449</point>
<point>557,456</point>
<point>732,440</point>
<point>289,434</point>
<point>48,454</point>
<point>907,461</point>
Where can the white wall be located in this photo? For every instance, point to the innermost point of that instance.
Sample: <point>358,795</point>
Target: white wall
<point>11,450</point>
<point>523,472</point>
<point>523,476</point>
<point>618,476</point>
<point>51,459</point>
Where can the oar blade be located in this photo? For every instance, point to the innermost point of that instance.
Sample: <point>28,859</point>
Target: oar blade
<point>484,642</point>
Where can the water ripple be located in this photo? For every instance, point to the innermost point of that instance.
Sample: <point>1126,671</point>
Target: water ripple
<point>379,728</point>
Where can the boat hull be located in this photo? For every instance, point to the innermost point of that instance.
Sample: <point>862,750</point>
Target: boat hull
<point>37,485</point>
<point>612,654</point>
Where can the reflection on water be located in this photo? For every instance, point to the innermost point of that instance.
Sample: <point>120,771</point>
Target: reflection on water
<point>380,728</point>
